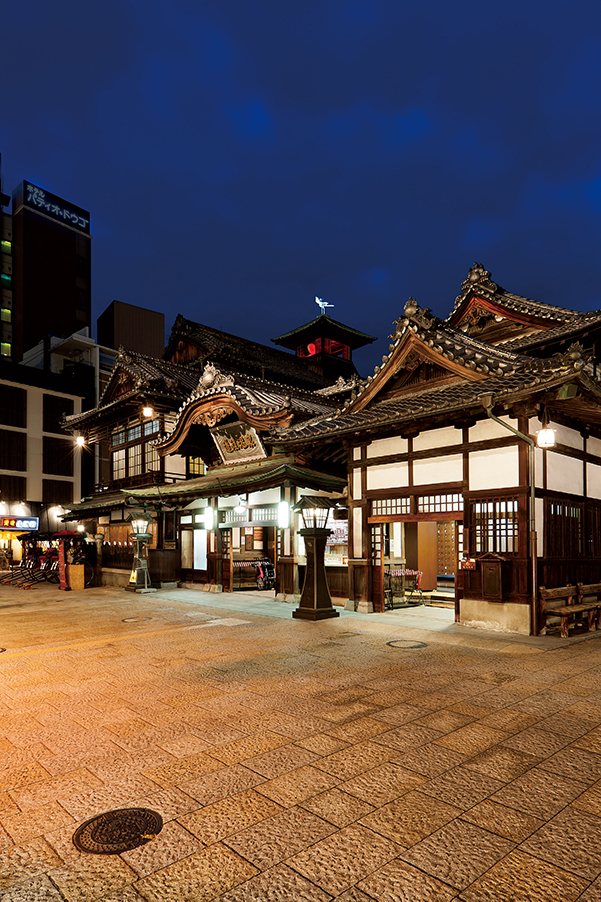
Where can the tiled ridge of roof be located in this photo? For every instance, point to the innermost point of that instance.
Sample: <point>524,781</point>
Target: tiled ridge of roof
<point>432,399</point>
<point>234,348</point>
<point>478,279</point>
<point>578,322</point>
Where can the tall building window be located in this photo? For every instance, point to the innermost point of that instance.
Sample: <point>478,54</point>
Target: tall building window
<point>5,314</point>
<point>6,280</point>
<point>6,247</point>
<point>5,349</point>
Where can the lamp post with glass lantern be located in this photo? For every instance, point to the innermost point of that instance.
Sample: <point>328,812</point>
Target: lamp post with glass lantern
<point>315,602</point>
<point>139,579</point>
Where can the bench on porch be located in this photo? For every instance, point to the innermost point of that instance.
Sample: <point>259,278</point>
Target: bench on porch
<point>569,604</point>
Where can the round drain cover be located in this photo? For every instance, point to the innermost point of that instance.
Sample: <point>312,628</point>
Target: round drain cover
<point>406,643</point>
<point>135,619</point>
<point>118,831</point>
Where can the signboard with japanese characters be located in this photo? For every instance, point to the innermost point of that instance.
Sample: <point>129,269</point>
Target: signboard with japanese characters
<point>238,443</point>
<point>19,523</point>
<point>50,205</point>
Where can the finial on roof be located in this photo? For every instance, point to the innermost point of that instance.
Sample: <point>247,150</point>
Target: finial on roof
<point>480,277</point>
<point>323,304</point>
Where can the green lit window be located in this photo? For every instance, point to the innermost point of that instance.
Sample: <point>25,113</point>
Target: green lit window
<point>6,246</point>
<point>5,315</point>
<point>5,349</point>
<point>5,278</point>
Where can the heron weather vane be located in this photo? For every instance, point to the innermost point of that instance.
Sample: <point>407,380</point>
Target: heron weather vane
<point>323,304</point>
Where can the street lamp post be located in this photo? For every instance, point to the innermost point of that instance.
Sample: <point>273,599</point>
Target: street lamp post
<point>139,579</point>
<point>315,602</point>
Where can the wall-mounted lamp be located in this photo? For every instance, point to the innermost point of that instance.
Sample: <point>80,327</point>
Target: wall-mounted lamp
<point>545,437</point>
<point>80,440</point>
<point>242,505</point>
<point>81,528</point>
<point>147,411</point>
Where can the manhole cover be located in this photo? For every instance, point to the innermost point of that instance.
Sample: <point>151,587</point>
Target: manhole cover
<point>406,643</point>
<point>135,619</point>
<point>118,831</point>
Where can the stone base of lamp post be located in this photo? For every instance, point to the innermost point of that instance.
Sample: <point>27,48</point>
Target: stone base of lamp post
<point>316,601</point>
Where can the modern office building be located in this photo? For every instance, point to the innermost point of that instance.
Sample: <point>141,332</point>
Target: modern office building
<point>134,328</point>
<point>46,269</point>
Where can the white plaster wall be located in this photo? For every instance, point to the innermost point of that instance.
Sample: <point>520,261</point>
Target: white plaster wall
<point>496,468</point>
<point>357,485</point>
<point>357,533</point>
<point>267,496</point>
<point>563,435</point>
<point>175,465</point>
<point>564,474</point>
<point>439,469</point>
<point>356,453</point>
<point>487,429</point>
<point>383,446</point>
<point>538,468</point>
<point>593,446</point>
<point>593,481</point>
<point>437,438</point>
<point>388,476</point>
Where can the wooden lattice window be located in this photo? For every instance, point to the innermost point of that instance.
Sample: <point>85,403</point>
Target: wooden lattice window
<point>564,522</point>
<point>494,525</point>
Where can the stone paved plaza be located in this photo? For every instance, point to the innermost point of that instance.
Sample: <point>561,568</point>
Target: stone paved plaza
<point>390,757</point>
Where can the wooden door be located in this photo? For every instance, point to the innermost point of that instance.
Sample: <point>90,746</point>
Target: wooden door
<point>446,556</point>
<point>226,560</point>
<point>377,567</point>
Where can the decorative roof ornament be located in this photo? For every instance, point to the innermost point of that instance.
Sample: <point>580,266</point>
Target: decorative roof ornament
<point>322,304</point>
<point>480,277</point>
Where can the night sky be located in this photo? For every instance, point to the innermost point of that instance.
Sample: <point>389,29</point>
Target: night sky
<point>240,157</point>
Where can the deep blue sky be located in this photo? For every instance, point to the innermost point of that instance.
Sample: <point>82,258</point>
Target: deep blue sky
<point>239,157</point>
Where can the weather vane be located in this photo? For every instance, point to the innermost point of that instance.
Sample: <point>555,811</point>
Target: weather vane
<point>323,304</point>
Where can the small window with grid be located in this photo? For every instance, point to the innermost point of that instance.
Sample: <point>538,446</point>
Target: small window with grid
<point>435,504</point>
<point>383,507</point>
<point>495,525</point>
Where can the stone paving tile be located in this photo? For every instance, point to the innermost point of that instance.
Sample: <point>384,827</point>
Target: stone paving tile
<point>399,882</point>
<point>281,760</point>
<point>539,794</point>
<point>198,878</point>
<point>461,787</point>
<point>355,760</point>
<point>222,783</point>
<point>117,795</point>
<point>337,806</point>
<point>169,803</point>
<point>565,724</point>
<point>276,885</point>
<point>590,741</point>
<point>399,714</point>
<point>443,721</point>
<point>294,728</point>
<point>473,710</point>
<point>357,730</point>
<point>503,763</point>
<point>57,789</point>
<point>322,744</point>
<point>590,800</point>
<point>183,769</point>
<point>509,721</point>
<point>382,784</point>
<point>36,889</point>
<point>123,764</point>
<point>410,818</point>
<point>593,893</point>
<point>227,816</point>
<point>520,877</point>
<point>22,775</point>
<point>471,739</point>
<point>343,713</point>
<point>430,760</point>
<point>580,765</point>
<point>536,741</point>
<point>573,838</point>
<point>170,845</point>
<point>339,861</point>
<point>278,837</point>
<point>294,787</point>
<point>508,822</point>
<point>28,825</point>
<point>248,747</point>
<point>458,853</point>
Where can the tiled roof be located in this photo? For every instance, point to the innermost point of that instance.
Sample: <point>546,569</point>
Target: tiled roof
<point>169,381</point>
<point>573,326</point>
<point>479,281</point>
<point>243,355</point>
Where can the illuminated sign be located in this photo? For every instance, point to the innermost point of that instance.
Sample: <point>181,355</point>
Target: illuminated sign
<point>238,442</point>
<point>38,199</point>
<point>21,523</point>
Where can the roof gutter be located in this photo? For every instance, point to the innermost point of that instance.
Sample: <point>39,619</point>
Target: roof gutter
<point>487,400</point>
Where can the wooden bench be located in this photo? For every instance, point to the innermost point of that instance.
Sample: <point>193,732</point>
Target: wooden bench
<point>574,608</point>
